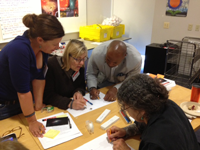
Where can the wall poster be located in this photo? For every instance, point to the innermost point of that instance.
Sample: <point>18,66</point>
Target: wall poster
<point>60,8</point>
<point>177,8</point>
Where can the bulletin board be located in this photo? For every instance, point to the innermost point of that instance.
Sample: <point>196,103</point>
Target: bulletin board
<point>12,12</point>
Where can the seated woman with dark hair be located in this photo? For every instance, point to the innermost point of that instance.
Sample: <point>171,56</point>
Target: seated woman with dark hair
<point>161,122</point>
<point>65,77</point>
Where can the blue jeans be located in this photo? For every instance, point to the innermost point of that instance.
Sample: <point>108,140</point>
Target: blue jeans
<point>7,111</point>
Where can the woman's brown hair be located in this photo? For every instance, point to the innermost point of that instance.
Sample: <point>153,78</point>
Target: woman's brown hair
<point>45,26</point>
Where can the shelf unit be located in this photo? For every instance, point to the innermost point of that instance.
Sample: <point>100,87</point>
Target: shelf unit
<point>183,60</point>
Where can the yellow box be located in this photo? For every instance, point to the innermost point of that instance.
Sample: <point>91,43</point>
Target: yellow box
<point>96,32</point>
<point>118,31</point>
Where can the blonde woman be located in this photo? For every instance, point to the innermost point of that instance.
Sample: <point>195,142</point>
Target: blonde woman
<point>65,78</point>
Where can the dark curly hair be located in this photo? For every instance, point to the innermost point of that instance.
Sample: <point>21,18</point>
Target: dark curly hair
<point>142,92</point>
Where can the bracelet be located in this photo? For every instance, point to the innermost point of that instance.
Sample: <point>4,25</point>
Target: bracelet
<point>30,115</point>
<point>71,104</point>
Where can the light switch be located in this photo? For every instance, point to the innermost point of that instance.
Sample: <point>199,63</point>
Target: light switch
<point>190,26</point>
<point>166,25</point>
<point>197,27</point>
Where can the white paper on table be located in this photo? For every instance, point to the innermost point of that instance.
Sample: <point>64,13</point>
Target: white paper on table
<point>96,43</point>
<point>100,143</point>
<point>169,84</point>
<point>66,134</point>
<point>96,104</point>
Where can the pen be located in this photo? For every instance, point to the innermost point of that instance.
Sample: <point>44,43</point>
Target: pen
<point>129,120</point>
<point>165,83</point>
<point>70,126</point>
<point>88,101</point>
<point>48,118</point>
<point>124,117</point>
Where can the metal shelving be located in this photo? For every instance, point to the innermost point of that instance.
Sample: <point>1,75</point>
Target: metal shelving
<point>183,60</point>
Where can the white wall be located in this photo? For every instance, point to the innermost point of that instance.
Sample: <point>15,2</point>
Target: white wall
<point>137,15</point>
<point>97,10</point>
<point>178,25</point>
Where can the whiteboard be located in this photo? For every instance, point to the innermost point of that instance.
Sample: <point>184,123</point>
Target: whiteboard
<point>12,12</point>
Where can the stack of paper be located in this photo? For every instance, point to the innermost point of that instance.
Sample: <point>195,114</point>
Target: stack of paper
<point>168,83</point>
<point>59,134</point>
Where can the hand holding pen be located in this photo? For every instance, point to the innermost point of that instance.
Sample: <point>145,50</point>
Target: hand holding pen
<point>78,101</point>
<point>94,93</point>
<point>115,133</point>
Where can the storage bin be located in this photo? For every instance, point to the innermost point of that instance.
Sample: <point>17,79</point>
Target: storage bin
<point>118,31</point>
<point>96,32</point>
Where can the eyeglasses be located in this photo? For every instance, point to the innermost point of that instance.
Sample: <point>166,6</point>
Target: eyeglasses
<point>124,109</point>
<point>13,130</point>
<point>79,60</point>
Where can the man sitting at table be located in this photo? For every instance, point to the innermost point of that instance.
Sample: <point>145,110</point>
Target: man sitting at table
<point>110,63</point>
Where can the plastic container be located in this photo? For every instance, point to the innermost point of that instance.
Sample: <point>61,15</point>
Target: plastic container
<point>195,93</point>
<point>96,32</point>
<point>118,31</point>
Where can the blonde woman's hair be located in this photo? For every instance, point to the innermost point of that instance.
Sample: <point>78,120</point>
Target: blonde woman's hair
<point>74,48</point>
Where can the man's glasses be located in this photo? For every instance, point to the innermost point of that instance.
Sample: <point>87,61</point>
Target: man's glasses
<point>79,60</point>
<point>13,130</point>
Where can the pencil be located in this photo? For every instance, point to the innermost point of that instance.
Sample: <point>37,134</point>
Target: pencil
<point>110,134</point>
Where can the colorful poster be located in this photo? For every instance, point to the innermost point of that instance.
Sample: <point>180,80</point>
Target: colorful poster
<point>69,8</point>
<point>49,7</point>
<point>177,8</point>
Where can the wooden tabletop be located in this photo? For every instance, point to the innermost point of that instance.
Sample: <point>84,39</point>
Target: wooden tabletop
<point>80,122</point>
<point>26,139</point>
<point>181,94</point>
<point>178,94</point>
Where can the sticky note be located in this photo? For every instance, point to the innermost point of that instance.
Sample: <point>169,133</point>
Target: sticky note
<point>61,116</point>
<point>51,133</point>
<point>152,75</point>
<point>160,76</point>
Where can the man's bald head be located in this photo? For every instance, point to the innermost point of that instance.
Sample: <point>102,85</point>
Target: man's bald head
<point>116,53</point>
<point>117,46</point>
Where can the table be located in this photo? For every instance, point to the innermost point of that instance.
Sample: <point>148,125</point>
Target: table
<point>181,94</point>
<point>80,122</point>
<point>90,45</point>
<point>178,94</point>
<point>27,139</point>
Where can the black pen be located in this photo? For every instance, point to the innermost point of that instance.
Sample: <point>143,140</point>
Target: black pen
<point>70,126</point>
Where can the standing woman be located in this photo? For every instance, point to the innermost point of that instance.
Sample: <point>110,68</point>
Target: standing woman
<point>23,64</point>
<point>66,78</point>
